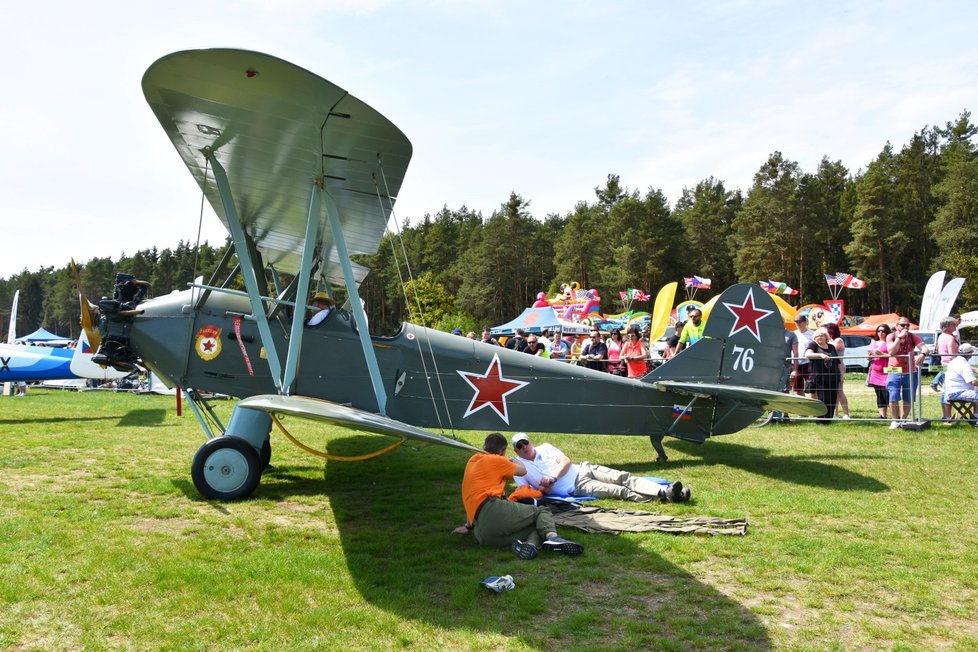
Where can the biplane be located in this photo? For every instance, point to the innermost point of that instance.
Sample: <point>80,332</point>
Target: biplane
<point>305,176</point>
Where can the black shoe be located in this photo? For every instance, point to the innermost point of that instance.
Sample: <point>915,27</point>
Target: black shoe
<point>562,545</point>
<point>524,549</point>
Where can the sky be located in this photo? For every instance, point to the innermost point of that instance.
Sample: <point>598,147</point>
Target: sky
<point>545,99</point>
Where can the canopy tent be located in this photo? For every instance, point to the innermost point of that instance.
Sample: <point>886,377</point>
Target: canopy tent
<point>42,336</point>
<point>537,320</point>
<point>868,325</point>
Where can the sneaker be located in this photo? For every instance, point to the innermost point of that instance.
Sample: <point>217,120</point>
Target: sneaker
<point>846,416</point>
<point>524,549</point>
<point>560,544</point>
<point>684,495</point>
<point>894,425</point>
<point>935,387</point>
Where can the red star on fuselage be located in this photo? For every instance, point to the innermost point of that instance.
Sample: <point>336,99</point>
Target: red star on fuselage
<point>747,316</point>
<point>491,389</point>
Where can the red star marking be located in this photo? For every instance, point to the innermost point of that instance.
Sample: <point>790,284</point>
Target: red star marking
<point>747,316</point>
<point>491,389</point>
<point>207,345</point>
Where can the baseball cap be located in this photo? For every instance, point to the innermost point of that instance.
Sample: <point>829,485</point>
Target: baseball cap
<point>518,437</point>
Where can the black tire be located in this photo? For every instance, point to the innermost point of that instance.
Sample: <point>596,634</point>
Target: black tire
<point>266,454</point>
<point>226,468</point>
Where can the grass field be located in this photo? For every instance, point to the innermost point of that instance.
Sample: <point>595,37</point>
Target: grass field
<point>861,538</point>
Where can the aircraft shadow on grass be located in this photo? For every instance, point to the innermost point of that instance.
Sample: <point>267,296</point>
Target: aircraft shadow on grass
<point>810,470</point>
<point>395,516</point>
<point>152,417</point>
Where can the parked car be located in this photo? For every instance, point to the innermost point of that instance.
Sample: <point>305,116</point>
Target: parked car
<point>930,339</point>
<point>857,345</point>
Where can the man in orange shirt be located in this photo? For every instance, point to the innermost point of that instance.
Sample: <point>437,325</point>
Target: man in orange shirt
<point>496,521</point>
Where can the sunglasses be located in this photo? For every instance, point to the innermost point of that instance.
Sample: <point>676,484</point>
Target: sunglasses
<point>521,444</point>
<point>904,325</point>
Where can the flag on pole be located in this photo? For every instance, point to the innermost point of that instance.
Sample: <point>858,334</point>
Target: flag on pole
<point>638,295</point>
<point>845,280</point>
<point>697,282</point>
<point>777,287</point>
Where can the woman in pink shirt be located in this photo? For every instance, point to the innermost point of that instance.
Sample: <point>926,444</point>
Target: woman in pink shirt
<point>614,345</point>
<point>878,355</point>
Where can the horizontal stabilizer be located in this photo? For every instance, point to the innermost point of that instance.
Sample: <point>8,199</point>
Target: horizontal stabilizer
<point>347,417</point>
<point>762,398</point>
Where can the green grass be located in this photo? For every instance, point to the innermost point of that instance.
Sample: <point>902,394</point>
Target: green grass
<point>861,538</point>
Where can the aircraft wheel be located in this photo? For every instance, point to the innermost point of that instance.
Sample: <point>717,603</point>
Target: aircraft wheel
<point>226,468</point>
<point>266,454</point>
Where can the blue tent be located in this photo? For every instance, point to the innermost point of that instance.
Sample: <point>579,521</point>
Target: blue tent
<point>42,336</point>
<point>536,320</point>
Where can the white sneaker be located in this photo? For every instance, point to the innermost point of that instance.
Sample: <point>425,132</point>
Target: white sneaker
<point>894,425</point>
<point>846,416</point>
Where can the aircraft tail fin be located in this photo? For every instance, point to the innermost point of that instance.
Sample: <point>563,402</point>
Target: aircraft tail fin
<point>743,344</point>
<point>83,367</point>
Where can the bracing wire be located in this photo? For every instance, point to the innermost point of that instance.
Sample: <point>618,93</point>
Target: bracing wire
<point>407,264</point>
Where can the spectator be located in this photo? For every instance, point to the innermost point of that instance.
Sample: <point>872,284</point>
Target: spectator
<point>595,353</point>
<point>693,330</point>
<point>559,348</point>
<point>960,383</point>
<point>518,341</point>
<point>487,337</point>
<point>906,351</point>
<point>672,344</point>
<point>878,356</point>
<point>947,347</point>
<point>825,371</point>
<point>835,337</point>
<point>615,344</point>
<point>533,347</point>
<point>804,364</point>
<point>635,354</point>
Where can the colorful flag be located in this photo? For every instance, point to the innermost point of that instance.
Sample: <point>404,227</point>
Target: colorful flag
<point>777,287</point>
<point>697,282</point>
<point>638,295</point>
<point>845,280</point>
<point>682,412</point>
<point>623,295</point>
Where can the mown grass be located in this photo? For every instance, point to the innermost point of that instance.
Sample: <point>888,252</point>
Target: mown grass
<point>861,538</point>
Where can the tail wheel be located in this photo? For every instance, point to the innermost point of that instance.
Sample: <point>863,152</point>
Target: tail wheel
<point>226,468</point>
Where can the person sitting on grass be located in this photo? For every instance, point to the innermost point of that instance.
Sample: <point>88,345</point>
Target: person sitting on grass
<point>551,472</point>
<point>496,521</point>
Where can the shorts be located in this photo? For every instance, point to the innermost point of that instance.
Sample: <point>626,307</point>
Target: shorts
<point>900,386</point>
<point>804,373</point>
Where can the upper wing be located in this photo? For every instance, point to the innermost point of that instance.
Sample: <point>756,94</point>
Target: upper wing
<point>276,129</point>
<point>341,415</point>
<point>763,398</point>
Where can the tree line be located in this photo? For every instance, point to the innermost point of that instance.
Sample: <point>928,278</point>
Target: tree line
<point>910,212</point>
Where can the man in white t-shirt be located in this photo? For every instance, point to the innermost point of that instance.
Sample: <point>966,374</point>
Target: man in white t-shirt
<point>960,383</point>
<point>552,472</point>
<point>803,371</point>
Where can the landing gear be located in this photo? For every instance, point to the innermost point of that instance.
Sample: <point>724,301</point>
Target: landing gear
<point>657,445</point>
<point>226,468</point>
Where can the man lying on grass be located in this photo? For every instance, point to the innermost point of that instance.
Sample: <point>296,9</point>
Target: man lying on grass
<point>551,472</point>
<point>496,521</point>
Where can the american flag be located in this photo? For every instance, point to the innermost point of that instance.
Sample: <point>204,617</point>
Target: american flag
<point>845,280</point>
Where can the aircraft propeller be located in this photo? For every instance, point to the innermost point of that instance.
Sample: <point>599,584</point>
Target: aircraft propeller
<point>87,310</point>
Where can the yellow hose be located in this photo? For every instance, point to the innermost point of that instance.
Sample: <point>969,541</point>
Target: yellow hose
<point>335,458</point>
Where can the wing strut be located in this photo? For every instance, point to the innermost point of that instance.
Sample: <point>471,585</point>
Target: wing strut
<point>302,290</point>
<point>247,265</point>
<point>355,306</point>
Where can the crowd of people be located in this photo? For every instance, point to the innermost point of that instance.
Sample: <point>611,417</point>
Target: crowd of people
<point>621,353</point>
<point>814,360</point>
